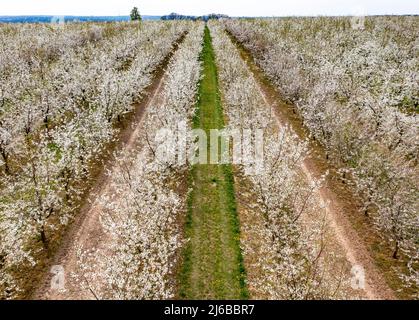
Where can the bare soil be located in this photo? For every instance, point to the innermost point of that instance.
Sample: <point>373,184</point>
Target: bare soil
<point>339,201</point>
<point>86,230</point>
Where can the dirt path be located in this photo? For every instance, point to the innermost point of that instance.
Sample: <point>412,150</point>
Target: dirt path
<point>86,230</point>
<point>338,206</point>
<point>212,265</point>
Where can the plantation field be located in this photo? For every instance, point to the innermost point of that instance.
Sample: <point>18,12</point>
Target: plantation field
<point>234,159</point>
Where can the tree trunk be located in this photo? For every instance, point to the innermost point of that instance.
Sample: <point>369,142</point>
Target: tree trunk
<point>396,251</point>
<point>46,121</point>
<point>6,167</point>
<point>6,161</point>
<point>44,237</point>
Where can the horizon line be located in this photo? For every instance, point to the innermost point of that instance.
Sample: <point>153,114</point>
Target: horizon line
<point>194,15</point>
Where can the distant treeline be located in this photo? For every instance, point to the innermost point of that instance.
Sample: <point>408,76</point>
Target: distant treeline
<point>176,16</point>
<point>48,19</point>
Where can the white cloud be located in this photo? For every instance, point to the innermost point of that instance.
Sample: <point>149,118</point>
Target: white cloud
<point>199,7</point>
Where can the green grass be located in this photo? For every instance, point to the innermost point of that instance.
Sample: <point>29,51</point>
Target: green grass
<point>212,260</point>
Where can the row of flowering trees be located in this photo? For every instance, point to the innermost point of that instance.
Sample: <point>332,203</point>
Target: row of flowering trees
<point>141,213</point>
<point>48,85</point>
<point>356,90</point>
<point>59,110</point>
<point>284,237</point>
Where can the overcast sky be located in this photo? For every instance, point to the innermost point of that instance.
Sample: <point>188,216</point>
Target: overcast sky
<point>200,7</point>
